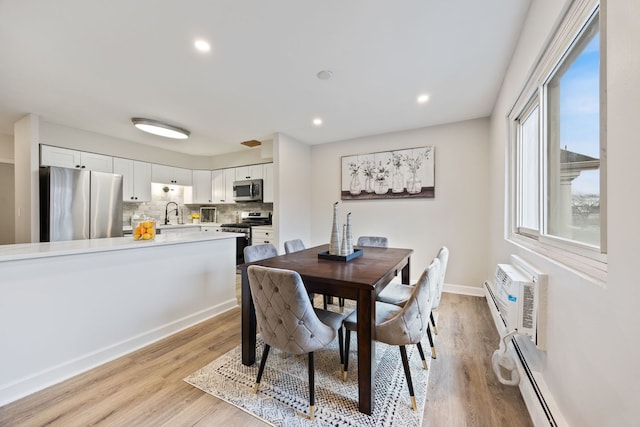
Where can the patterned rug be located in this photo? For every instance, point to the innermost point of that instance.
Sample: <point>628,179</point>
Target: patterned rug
<point>283,398</point>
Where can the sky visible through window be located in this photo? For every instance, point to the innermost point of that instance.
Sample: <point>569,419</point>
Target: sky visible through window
<point>580,113</point>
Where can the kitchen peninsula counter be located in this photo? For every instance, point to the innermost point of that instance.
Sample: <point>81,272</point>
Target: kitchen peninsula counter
<point>67,307</point>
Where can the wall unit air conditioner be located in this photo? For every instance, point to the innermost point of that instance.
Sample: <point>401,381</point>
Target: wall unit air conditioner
<point>520,294</point>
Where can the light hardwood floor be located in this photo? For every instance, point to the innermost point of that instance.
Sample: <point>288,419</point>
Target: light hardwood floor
<point>145,388</point>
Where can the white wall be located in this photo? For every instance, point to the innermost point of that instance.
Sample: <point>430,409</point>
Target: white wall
<point>293,195</point>
<point>455,217</point>
<point>590,366</point>
<point>6,148</point>
<point>7,190</point>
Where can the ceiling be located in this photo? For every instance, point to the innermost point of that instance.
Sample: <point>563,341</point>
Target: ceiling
<point>95,64</point>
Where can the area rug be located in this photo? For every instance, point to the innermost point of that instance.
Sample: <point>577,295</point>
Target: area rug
<point>283,396</point>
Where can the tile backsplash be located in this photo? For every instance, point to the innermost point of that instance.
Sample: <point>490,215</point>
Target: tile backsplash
<point>162,194</point>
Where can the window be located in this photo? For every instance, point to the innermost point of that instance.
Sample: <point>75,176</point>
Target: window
<point>557,177</point>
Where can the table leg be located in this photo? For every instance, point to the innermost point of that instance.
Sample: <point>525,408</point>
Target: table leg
<point>248,322</point>
<point>366,350</point>
<point>405,272</point>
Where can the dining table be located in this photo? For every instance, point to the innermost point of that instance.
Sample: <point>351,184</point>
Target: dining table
<point>360,279</point>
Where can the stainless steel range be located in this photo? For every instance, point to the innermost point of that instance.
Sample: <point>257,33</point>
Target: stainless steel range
<point>247,220</point>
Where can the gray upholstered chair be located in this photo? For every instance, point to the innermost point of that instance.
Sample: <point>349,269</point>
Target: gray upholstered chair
<point>404,325</point>
<point>443,256</point>
<point>293,246</point>
<point>398,294</point>
<point>259,252</point>
<point>381,242</point>
<point>288,321</point>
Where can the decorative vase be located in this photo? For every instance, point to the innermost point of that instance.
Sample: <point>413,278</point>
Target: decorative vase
<point>344,248</point>
<point>414,185</point>
<point>368,185</point>
<point>397,182</point>
<point>334,242</point>
<point>355,187</point>
<point>381,186</point>
<point>349,240</point>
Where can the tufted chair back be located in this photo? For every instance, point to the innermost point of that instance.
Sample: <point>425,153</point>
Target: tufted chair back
<point>293,246</point>
<point>259,252</point>
<point>443,256</point>
<point>381,242</point>
<point>284,313</point>
<point>410,324</point>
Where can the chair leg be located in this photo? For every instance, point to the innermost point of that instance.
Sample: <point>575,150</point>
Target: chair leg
<point>312,404</point>
<point>341,304</point>
<point>424,361</point>
<point>325,300</point>
<point>263,362</point>
<point>347,340</point>
<point>407,374</point>
<point>341,347</point>
<point>433,348</point>
<point>433,323</point>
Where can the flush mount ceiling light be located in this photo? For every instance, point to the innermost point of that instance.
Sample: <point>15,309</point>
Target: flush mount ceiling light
<point>423,98</point>
<point>202,45</point>
<point>159,128</point>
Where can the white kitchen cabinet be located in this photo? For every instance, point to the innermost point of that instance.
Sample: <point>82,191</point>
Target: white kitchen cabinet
<point>202,191</point>
<point>263,234</point>
<point>73,159</point>
<point>136,179</point>
<point>171,175</point>
<point>249,172</point>
<point>267,183</point>
<point>222,181</point>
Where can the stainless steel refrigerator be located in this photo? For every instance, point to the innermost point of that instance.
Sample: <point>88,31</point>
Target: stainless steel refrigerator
<point>79,204</point>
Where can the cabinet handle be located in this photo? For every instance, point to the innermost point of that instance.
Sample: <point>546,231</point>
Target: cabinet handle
<point>266,241</point>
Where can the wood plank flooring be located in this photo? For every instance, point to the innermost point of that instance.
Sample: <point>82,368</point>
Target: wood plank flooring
<point>145,388</point>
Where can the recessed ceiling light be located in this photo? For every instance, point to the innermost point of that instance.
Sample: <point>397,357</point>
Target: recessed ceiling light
<point>317,121</point>
<point>159,128</point>
<point>324,74</point>
<point>423,98</point>
<point>202,45</point>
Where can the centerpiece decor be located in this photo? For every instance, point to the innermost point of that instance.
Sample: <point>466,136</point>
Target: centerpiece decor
<point>408,173</point>
<point>341,249</point>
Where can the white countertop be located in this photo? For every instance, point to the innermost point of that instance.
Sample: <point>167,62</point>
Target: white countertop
<point>74,247</point>
<point>187,225</point>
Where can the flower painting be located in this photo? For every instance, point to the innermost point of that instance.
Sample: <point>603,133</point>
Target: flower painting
<point>406,173</point>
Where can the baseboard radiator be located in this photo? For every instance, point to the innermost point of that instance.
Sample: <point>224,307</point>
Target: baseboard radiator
<point>535,395</point>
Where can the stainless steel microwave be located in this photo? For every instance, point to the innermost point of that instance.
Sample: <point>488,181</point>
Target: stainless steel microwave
<point>247,191</point>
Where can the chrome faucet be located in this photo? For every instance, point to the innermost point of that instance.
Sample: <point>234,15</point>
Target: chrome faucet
<point>166,212</point>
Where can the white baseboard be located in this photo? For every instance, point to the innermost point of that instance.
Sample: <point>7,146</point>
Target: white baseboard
<point>463,290</point>
<point>56,374</point>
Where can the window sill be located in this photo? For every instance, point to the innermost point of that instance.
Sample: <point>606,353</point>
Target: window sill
<point>588,268</point>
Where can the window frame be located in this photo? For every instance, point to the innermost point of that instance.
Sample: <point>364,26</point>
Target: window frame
<point>586,260</point>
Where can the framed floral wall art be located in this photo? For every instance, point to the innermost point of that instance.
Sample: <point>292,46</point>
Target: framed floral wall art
<point>407,173</point>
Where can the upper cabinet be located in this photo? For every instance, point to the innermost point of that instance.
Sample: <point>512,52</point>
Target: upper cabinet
<point>268,183</point>
<point>249,172</point>
<point>136,179</point>
<point>170,175</point>
<point>223,185</point>
<point>202,190</point>
<point>66,158</point>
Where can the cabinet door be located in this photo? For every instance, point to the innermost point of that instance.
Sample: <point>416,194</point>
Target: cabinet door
<point>182,176</point>
<point>202,186</point>
<point>61,157</point>
<point>229,175</point>
<point>268,183</point>
<point>124,167</point>
<point>142,181</point>
<point>96,162</point>
<point>219,190</point>
<point>248,172</point>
